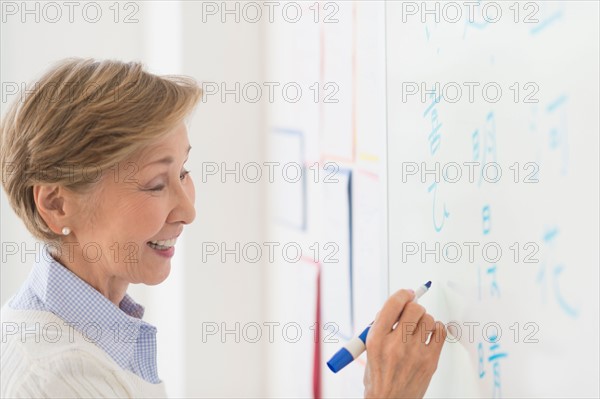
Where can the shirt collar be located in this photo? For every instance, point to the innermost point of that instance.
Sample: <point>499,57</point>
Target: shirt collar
<point>117,330</point>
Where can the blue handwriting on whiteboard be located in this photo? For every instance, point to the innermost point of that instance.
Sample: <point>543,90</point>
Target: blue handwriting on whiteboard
<point>484,144</point>
<point>549,241</point>
<point>434,139</point>
<point>491,270</point>
<point>494,360</point>
<point>548,14</point>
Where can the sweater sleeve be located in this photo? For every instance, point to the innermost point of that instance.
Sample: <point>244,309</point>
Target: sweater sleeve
<point>75,374</point>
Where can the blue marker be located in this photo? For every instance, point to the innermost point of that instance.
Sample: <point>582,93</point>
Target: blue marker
<point>357,345</point>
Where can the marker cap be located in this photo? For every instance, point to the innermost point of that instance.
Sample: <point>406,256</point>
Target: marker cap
<point>340,360</point>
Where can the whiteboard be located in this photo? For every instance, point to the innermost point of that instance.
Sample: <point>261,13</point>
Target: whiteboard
<point>335,56</point>
<point>517,189</point>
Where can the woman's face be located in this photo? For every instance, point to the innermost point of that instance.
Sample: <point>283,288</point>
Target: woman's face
<point>146,199</point>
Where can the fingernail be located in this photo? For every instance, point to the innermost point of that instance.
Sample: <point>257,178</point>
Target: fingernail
<point>412,292</point>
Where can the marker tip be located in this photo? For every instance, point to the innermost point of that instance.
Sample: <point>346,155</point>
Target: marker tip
<point>428,284</point>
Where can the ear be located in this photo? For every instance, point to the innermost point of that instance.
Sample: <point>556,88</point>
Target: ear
<point>54,204</point>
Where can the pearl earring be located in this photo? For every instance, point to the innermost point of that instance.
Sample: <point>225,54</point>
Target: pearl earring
<point>66,231</point>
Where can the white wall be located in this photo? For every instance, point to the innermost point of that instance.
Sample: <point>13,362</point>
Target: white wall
<point>228,212</point>
<point>170,39</point>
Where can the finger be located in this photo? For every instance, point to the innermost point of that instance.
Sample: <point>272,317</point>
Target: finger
<point>390,313</point>
<point>438,338</point>
<point>410,318</point>
<point>424,328</point>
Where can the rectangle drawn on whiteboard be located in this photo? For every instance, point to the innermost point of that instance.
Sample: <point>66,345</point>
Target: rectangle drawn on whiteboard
<point>287,152</point>
<point>337,269</point>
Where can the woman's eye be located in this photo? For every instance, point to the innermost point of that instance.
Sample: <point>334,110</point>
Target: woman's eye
<point>184,174</point>
<point>158,188</point>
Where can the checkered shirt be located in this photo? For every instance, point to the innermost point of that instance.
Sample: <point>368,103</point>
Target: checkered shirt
<point>119,331</point>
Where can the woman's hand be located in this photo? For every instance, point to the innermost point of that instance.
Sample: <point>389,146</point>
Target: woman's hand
<point>399,363</point>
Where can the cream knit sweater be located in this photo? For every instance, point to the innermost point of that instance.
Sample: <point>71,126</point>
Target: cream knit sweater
<point>42,357</point>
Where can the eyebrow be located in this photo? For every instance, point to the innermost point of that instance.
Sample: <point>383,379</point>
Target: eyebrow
<point>166,160</point>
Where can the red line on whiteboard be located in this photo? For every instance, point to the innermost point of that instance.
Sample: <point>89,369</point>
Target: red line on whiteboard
<point>317,353</point>
<point>316,377</point>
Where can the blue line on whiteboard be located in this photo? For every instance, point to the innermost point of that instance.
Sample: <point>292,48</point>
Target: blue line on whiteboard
<point>435,101</point>
<point>347,335</point>
<point>556,103</point>
<point>434,138</point>
<point>494,360</point>
<point>494,289</point>
<point>558,135</point>
<point>487,224</point>
<point>446,214</point>
<point>550,234</point>
<point>303,222</point>
<point>570,310</point>
<point>475,140</point>
<point>428,35</point>
<point>484,144</point>
<point>286,131</point>
<point>554,138</point>
<point>350,249</point>
<point>481,362</point>
<point>497,356</point>
<point>546,23</point>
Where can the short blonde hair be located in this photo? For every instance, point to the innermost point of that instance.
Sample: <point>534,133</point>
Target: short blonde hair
<point>84,115</point>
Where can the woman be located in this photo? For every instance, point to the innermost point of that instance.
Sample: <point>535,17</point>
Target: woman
<point>93,163</point>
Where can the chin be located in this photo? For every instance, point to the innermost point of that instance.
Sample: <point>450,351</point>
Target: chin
<point>159,276</point>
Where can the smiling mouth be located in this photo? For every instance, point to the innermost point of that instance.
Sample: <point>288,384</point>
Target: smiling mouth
<point>162,244</point>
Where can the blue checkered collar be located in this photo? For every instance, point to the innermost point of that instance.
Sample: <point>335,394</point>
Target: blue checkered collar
<point>119,331</point>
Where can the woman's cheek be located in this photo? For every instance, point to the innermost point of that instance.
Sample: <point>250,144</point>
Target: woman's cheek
<point>153,219</point>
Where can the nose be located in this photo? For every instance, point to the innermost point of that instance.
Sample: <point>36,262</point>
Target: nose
<point>184,210</point>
